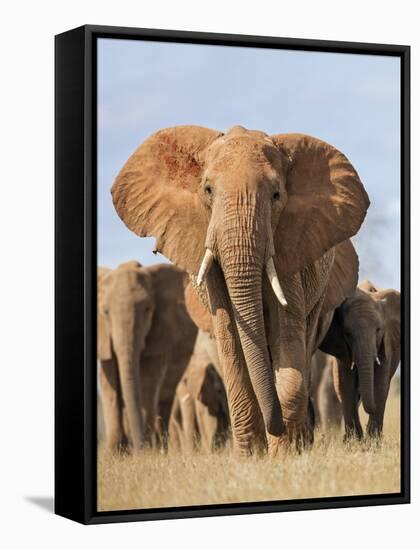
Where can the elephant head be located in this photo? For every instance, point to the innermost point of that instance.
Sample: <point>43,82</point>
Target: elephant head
<point>365,335</point>
<point>255,207</point>
<point>138,313</point>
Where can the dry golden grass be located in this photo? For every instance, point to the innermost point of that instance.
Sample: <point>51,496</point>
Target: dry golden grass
<point>331,468</point>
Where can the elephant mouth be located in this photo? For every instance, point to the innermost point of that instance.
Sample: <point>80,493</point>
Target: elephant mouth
<point>270,268</point>
<point>377,362</point>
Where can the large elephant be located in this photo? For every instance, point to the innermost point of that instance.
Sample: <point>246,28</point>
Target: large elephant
<point>144,333</point>
<point>327,407</point>
<point>261,223</point>
<point>200,416</point>
<point>364,336</point>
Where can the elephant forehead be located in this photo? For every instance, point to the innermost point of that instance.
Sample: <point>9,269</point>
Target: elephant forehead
<point>362,311</point>
<point>131,264</point>
<point>130,282</point>
<point>241,149</point>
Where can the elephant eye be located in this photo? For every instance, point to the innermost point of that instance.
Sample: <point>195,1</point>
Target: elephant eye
<point>276,195</point>
<point>208,189</point>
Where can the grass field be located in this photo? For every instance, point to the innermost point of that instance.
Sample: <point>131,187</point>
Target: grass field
<point>331,468</point>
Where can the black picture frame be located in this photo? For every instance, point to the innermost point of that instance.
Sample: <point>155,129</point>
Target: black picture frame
<point>75,272</point>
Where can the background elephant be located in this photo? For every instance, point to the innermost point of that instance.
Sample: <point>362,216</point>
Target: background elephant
<point>327,407</point>
<point>364,336</point>
<point>261,223</point>
<point>144,332</point>
<point>200,415</point>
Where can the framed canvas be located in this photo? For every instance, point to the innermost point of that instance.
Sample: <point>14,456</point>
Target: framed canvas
<point>232,274</point>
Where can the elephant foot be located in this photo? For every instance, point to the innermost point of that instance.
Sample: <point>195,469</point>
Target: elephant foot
<point>118,447</point>
<point>278,446</point>
<point>374,429</point>
<point>352,435</point>
<point>253,446</point>
<point>301,435</point>
<point>375,438</point>
<point>162,434</point>
<point>298,437</point>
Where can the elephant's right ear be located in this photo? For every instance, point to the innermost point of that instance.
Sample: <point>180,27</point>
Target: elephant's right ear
<point>155,194</point>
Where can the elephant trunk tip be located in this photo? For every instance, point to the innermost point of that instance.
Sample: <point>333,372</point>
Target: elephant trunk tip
<point>369,408</point>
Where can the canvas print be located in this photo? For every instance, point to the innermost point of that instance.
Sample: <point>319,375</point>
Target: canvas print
<point>248,280</point>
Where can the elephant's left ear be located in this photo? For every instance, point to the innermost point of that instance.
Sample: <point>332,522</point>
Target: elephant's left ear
<point>326,205</point>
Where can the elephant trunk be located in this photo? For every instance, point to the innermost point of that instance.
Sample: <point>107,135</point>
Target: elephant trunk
<point>364,356</point>
<point>243,253</point>
<point>129,368</point>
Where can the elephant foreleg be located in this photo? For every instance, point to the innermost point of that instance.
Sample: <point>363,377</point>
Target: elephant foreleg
<point>317,369</point>
<point>330,407</point>
<point>175,427</point>
<point>115,437</point>
<point>190,433</point>
<point>293,391</point>
<point>207,425</point>
<point>152,372</point>
<point>345,383</point>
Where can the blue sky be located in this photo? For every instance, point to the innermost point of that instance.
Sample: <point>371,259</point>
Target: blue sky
<point>351,101</point>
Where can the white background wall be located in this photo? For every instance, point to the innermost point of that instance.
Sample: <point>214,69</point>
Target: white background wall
<point>26,300</point>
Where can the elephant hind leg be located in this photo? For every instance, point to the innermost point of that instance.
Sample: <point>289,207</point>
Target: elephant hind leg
<point>175,427</point>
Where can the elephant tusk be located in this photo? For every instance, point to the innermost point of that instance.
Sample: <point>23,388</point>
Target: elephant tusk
<point>377,360</point>
<point>352,365</point>
<point>205,266</point>
<point>274,281</point>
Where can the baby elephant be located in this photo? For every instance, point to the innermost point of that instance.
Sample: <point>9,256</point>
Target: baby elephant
<point>364,337</point>
<point>199,414</point>
<point>145,339</point>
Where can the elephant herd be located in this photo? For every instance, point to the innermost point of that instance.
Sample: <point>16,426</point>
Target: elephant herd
<point>261,308</point>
